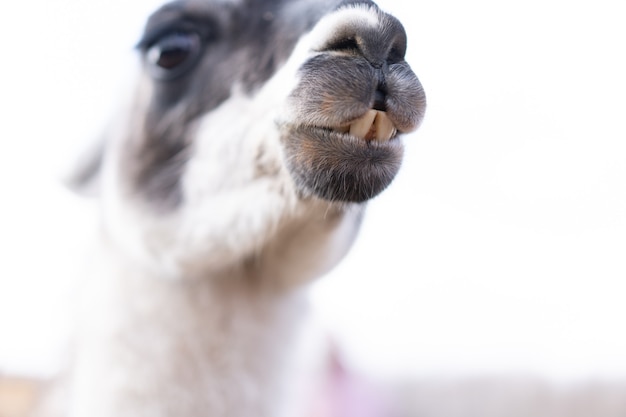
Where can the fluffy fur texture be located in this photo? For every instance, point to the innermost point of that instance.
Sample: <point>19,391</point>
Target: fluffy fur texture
<point>230,183</point>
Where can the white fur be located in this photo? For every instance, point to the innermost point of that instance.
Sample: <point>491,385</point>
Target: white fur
<point>353,16</point>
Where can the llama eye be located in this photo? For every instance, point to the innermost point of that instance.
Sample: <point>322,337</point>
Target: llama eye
<point>173,54</point>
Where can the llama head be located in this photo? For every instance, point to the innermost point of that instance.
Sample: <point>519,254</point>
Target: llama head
<point>262,105</point>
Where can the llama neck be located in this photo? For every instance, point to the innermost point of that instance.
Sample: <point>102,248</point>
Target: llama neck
<point>213,344</point>
<point>219,346</point>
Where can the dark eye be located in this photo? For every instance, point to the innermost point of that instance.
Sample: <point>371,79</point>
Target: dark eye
<point>173,54</point>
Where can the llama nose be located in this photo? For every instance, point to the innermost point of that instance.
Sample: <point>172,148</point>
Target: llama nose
<point>381,42</point>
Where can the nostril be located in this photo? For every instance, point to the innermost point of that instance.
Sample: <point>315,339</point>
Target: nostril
<point>380,97</point>
<point>396,54</point>
<point>345,44</point>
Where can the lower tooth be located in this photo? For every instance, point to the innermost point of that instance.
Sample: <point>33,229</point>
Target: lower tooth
<point>384,127</point>
<point>361,127</point>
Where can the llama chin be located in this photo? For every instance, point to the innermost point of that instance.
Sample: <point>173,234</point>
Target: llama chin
<point>258,131</point>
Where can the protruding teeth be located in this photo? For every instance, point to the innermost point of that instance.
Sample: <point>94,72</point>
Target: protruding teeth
<point>362,126</point>
<point>374,125</point>
<point>385,129</point>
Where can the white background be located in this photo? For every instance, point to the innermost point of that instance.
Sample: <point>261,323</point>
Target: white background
<point>500,248</point>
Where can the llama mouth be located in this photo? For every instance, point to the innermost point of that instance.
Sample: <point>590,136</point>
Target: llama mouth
<point>349,162</point>
<point>374,125</point>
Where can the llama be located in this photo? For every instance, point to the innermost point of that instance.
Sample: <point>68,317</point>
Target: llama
<point>238,173</point>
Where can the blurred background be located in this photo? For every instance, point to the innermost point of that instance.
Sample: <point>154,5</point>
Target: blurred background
<point>499,250</point>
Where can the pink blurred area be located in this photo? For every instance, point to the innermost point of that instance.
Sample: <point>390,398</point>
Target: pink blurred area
<point>343,392</point>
